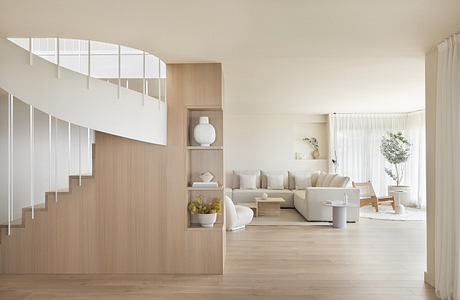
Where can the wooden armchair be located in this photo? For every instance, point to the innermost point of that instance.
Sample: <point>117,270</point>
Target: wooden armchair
<point>368,197</point>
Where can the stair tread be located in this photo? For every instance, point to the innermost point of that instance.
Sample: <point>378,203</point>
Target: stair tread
<point>14,223</point>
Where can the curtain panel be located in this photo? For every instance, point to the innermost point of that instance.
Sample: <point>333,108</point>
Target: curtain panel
<point>355,142</point>
<point>447,191</point>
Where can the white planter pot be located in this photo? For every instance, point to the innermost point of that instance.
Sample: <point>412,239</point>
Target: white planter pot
<point>402,193</point>
<point>207,220</point>
<point>204,133</point>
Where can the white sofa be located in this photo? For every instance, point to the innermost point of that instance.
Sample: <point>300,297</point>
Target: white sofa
<point>308,201</point>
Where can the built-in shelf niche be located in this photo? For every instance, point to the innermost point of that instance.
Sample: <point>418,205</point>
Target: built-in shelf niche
<point>215,119</point>
<point>319,130</point>
<point>201,159</point>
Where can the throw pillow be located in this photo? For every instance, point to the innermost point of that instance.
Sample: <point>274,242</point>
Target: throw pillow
<point>248,182</point>
<point>339,181</point>
<point>293,174</point>
<point>265,175</point>
<point>302,182</point>
<point>236,177</point>
<point>275,182</point>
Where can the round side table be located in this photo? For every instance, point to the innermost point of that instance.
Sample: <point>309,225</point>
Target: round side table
<point>339,213</point>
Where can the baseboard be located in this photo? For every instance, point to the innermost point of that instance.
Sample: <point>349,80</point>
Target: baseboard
<point>429,278</point>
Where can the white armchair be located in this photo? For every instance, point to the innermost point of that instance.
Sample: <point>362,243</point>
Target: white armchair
<point>237,216</point>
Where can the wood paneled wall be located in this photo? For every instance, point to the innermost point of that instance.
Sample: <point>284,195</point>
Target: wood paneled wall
<point>129,216</point>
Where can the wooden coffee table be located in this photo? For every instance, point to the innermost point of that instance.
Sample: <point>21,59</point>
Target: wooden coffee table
<point>269,206</point>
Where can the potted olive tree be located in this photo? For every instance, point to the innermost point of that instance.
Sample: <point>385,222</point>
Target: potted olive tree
<point>396,149</point>
<point>206,213</point>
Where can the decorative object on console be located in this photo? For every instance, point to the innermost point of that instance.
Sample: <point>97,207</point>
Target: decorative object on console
<point>207,213</point>
<point>204,133</point>
<point>264,196</point>
<point>205,184</point>
<point>314,143</point>
<point>396,150</point>
<point>300,156</point>
<point>206,176</point>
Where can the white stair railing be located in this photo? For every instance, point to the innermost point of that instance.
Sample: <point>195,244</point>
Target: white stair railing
<point>42,154</point>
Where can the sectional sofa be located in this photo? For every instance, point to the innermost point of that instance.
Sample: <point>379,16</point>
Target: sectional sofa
<point>307,195</point>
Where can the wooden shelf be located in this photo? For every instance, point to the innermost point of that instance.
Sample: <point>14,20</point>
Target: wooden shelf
<point>205,148</point>
<point>217,226</point>
<point>220,188</point>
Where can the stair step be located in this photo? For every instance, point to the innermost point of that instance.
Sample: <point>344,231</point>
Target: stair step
<point>17,223</point>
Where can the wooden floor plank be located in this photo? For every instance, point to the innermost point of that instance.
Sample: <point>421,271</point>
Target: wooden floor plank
<point>369,260</point>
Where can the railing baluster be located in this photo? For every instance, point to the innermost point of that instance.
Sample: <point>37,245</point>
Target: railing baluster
<point>119,70</point>
<point>159,83</point>
<point>70,149</point>
<point>143,77</point>
<point>89,149</point>
<point>50,149</point>
<point>10,161</point>
<point>32,152</point>
<point>30,52</point>
<point>55,158</point>
<point>58,61</point>
<point>89,62</point>
<point>79,157</point>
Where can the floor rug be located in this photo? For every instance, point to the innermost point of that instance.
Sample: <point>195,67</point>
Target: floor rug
<point>287,217</point>
<point>386,212</point>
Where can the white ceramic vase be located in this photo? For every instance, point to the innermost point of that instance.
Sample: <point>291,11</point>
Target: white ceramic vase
<point>204,133</point>
<point>207,220</point>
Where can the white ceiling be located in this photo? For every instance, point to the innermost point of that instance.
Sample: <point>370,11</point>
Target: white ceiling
<point>280,56</point>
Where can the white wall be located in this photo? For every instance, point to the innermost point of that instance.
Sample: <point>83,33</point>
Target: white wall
<point>269,142</point>
<point>44,170</point>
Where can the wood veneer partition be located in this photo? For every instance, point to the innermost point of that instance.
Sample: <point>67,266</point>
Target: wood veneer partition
<point>127,217</point>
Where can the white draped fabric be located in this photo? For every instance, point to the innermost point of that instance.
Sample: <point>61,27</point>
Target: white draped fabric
<point>447,203</point>
<point>355,140</point>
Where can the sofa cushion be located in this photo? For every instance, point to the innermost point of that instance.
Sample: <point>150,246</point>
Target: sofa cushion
<point>302,182</point>
<point>321,178</point>
<point>328,179</point>
<point>275,182</point>
<point>247,182</point>
<point>292,174</point>
<point>285,177</point>
<point>236,177</point>
<point>339,181</point>
<point>314,178</point>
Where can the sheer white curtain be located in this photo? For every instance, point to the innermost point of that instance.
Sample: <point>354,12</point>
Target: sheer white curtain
<point>447,203</point>
<point>355,141</point>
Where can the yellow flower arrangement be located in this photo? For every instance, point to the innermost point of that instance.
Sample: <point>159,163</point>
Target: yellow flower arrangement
<point>198,207</point>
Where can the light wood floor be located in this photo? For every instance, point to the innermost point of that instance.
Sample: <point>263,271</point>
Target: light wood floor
<point>370,260</point>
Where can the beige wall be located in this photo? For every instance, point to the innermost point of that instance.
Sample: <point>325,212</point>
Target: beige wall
<point>431,61</point>
<point>269,142</point>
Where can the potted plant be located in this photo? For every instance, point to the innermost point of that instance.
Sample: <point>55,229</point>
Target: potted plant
<point>396,150</point>
<point>206,213</point>
<point>314,143</point>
